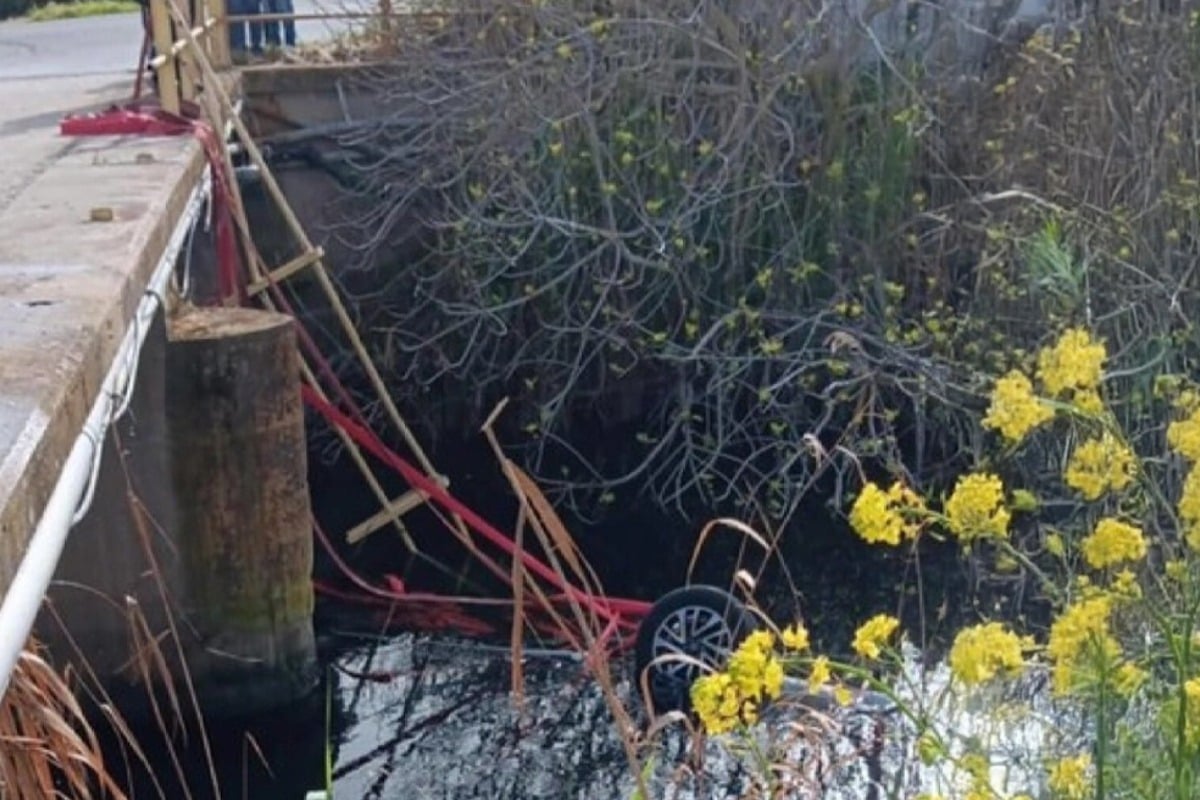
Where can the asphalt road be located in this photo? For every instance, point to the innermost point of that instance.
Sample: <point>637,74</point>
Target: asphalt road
<point>104,45</point>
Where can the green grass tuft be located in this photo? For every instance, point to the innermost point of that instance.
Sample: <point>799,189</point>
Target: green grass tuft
<point>82,8</point>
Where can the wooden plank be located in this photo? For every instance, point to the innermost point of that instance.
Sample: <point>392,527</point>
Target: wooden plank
<point>286,271</point>
<point>168,84</point>
<point>394,510</point>
<point>218,34</point>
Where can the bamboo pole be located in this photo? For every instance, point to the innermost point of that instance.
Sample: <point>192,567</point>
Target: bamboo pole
<point>225,105</point>
<point>218,43</point>
<point>259,276</point>
<point>306,245</point>
<point>280,274</point>
<point>160,28</point>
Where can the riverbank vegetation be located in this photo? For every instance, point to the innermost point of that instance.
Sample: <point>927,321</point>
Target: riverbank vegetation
<point>936,266</point>
<point>738,241</point>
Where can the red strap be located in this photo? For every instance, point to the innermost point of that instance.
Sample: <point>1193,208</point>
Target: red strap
<point>365,438</point>
<point>146,119</point>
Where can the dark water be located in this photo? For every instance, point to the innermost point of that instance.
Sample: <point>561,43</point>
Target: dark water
<point>448,690</point>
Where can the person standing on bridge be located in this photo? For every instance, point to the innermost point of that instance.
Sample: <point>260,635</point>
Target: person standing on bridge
<point>288,25</point>
<point>270,28</point>
<point>237,28</point>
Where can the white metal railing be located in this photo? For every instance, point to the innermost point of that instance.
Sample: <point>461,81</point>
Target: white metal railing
<point>71,495</point>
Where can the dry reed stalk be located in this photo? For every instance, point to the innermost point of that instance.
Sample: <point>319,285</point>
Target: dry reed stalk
<point>47,746</point>
<point>559,546</point>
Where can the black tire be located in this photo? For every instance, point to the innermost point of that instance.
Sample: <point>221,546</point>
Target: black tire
<point>702,622</point>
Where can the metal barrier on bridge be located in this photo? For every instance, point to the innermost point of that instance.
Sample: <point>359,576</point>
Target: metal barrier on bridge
<point>177,74</point>
<point>174,25</point>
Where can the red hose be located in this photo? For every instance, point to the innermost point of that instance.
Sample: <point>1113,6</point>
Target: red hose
<point>151,120</point>
<point>606,608</point>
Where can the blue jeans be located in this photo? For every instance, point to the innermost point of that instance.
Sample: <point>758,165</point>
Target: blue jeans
<point>270,29</point>
<point>237,30</point>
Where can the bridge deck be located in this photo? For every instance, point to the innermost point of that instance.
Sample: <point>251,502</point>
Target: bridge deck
<point>69,286</point>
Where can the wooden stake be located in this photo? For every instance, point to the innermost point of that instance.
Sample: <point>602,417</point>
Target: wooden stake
<point>218,36</point>
<point>403,504</point>
<point>286,271</point>
<point>224,105</point>
<point>213,111</point>
<point>164,70</point>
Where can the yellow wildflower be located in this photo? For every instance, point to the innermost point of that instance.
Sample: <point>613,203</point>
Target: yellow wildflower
<point>1074,362</point>
<point>717,704</point>
<point>1112,543</point>
<point>1024,500</point>
<point>755,670</point>
<point>1055,546</point>
<point>982,651</point>
<point>1189,498</point>
<point>976,508</point>
<point>930,749</point>
<point>1192,537</point>
<point>1125,585</point>
<point>1088,402</point>
<point>724,700</point>
<point>1080,635</point>
<point>1128,678</point>
<point>1015,410</point>
<point>977,768</point>
<point>794,637</point>
<point>1100,465</point>
<point>1070,777</point>
<point>872,634</point>
<point>1176,569</point>
<point>1184,436</point>
<point>1191,692</point>
<point>818,674</point>
<point>887,517</point>
<point>842,696</point>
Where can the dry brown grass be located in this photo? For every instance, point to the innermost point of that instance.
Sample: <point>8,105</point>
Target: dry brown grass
<point>47,746</point>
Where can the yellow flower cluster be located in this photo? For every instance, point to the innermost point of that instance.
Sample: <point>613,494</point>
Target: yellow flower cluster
<point>887,517</point>
<point>1070,778</point>
<point>1088,402</point>
<point>1189,508</point>
<point>1072,366</point>
<point>1078,639</point>
<point>1125,585</point>
<point>978,769</point>
<point>1113,542</point>
<point>819,673</point>
<point>718,705</point>
<point>1015,410</point>
<point>976,508</point>
<point>1184,436</point>
<point>981,652</point>
<point>1128,678</point>
<point>724,700</point>
<point>873,634</point>
<point>794,637</point>
<point>1074,363</point>
<point>1100,465</point>
<point>1191,715</point>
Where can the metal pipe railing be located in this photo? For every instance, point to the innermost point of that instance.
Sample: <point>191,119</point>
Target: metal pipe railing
<point>24,596</point>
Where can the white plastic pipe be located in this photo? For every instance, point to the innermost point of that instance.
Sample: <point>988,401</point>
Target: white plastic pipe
<point>33,576</point>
